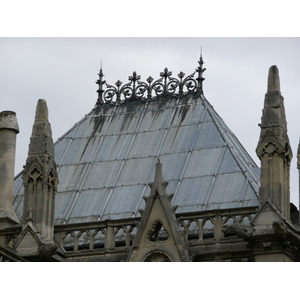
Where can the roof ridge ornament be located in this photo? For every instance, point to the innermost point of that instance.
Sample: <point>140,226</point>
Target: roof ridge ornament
<point>200,71</point>
<point>100,83</point>
<point>146,91</point>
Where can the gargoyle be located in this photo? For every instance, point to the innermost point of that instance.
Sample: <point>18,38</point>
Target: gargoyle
<point>46,251</point>
<point>241,230</point>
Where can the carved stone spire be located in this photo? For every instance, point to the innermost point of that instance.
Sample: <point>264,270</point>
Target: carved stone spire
<point>40,177</point>
<point>274,149</point>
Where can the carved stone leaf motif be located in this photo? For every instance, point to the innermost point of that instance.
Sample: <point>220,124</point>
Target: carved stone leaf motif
<point>157,232</point>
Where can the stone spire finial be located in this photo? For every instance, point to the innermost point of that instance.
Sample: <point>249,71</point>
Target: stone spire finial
<point>273,80</point>
<point>41,114</point>
<point>274,148</point>
<point>41,138</point>
<point>40,177</point>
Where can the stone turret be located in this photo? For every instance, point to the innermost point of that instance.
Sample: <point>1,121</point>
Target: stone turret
<point>8,132</point>
<point>274,149</point>
<point>40,177</point>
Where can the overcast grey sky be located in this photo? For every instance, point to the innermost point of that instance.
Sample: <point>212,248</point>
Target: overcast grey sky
<point>63,71</point>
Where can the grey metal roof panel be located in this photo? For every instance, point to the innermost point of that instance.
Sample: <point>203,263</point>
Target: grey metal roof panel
<point>18,184</point>
<point>208,136</point>
<point>107,159</point>
<point>173,171</point>
<point>179,139</point>
<point>64,201</point>
<point>146,143</point>
<point>188,115</point>
<point>118,204</point>
<point>229,186</point>
<point>113,147</point>
<point>136,171</point>
<point>192,191</point>
<point>88,127</point>
<point>71,176</point>
<point>18,205</point>
<point>101,174</point>
<point>61,148</point>
<point>204,162</point>
<point>123,123</point>
<point>77,149</point>
<point>229,163</point>
<point>156,120</point>
<point>89,204</point>
<point>18,196</point>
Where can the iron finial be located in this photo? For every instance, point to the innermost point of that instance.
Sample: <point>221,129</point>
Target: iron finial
<point>200,70</point>
<point>100,83</point>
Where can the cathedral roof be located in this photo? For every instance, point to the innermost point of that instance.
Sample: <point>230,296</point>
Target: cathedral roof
<point>107,159</point>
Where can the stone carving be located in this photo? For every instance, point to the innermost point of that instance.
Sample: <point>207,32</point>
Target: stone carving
<point>46,251</point>
<point>157,232</point>
<point>241,230</point>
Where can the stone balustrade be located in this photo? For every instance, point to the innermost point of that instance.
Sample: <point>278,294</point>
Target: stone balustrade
<point>199,227</point>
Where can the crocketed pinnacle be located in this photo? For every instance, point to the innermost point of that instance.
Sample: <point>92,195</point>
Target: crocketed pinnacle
<point>40,176</point>
<point>41,138</point>
<point>273,121</point>
<point>273,149</point>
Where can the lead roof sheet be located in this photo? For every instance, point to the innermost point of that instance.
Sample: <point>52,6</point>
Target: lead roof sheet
<point>106,161</point>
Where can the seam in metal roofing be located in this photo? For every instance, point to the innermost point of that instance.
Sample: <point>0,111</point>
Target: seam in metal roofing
<point>107,159</point>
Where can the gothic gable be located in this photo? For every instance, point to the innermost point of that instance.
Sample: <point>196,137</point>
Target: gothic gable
<point>158,237</point>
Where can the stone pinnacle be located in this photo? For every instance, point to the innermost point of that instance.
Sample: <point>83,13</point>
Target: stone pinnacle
<point>273,80</point>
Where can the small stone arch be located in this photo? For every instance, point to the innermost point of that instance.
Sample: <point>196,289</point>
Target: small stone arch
<point>157,256</point>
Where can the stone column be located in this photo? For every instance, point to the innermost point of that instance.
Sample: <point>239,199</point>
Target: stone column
<point>8,132</point>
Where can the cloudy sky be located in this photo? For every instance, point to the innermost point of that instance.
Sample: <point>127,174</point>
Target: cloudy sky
<point>63,71</point>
